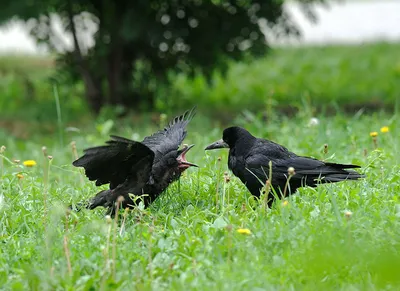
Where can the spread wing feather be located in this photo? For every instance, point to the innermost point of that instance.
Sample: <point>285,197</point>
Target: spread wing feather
<point>115,162</point>
<point>169,138</point>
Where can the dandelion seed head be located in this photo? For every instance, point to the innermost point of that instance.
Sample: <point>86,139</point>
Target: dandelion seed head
<point>313,121</point>
<point>348,214</point>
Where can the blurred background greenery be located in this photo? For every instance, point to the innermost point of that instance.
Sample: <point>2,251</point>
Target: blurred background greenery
<point>166,56</point>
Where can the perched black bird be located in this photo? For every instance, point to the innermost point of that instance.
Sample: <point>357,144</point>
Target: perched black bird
<point>139,168</point>
<point>249,159</point>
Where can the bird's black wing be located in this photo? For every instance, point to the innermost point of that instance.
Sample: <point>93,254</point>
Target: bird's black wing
<point>169,138</point>
<point>115,162</point>
<point>308,171</point>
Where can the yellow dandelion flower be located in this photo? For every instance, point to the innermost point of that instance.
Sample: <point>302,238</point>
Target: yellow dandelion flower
<point>373,134</point>
<point>244,231</point>
<point>20,176</point>
<point>29,163</point>
<point>285,203</point>
<point>385,129</point>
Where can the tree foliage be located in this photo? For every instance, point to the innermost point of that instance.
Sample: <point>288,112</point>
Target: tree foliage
<point>137,42</point>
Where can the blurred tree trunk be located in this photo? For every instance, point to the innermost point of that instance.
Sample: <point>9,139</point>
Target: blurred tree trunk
<point>114,76</point>
<point>93,91</point>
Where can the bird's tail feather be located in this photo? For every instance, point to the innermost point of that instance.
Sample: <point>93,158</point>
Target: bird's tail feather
<point>350,175</point>
<point>342,166</point>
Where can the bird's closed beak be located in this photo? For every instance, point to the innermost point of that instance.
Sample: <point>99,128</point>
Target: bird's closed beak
<point>219,144</point>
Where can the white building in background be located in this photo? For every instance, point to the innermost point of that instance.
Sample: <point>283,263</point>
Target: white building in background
<point>354,21</point>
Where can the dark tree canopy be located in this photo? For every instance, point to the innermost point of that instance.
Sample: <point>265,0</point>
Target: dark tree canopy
<point>137,42</point>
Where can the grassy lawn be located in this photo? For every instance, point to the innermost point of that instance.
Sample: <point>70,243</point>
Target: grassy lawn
<point>336,237</point>
<point>341,78</point>
<point>334,78</point>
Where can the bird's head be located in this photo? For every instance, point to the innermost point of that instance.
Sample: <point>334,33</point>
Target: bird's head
<point>183,164</point>
<point>229,138</point>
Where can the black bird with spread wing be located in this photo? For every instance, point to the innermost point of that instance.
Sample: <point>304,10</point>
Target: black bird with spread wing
<point>139,168</point>
<point>250,157</point>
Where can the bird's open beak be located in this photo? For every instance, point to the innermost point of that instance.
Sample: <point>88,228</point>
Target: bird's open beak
<point>183,163</point>
<point>219,144</point>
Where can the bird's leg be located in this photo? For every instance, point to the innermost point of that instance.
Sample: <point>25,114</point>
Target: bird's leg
<point>101,199</point>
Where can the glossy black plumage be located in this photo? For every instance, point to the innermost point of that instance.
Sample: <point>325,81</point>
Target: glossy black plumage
<point>139,168</point>
<point>249,159</point>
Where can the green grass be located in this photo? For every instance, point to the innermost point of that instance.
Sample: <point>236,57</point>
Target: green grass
<point>34,66</point>
<point>334,78</point>
<point>188,239</point>
<point>26,86</point>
